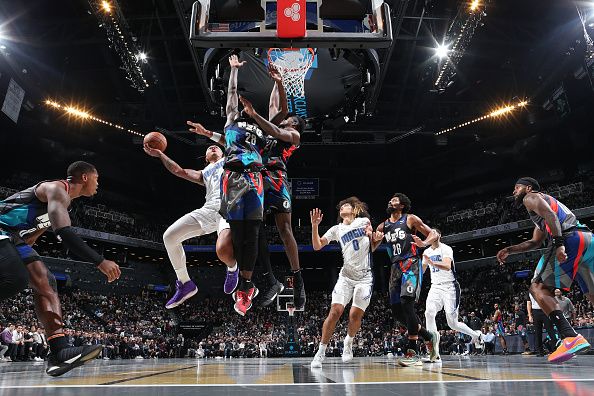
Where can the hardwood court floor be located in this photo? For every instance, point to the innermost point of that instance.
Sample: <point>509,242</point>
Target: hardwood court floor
<point>524,375</point>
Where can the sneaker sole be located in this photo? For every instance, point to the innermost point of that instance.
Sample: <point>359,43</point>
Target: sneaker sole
<point>184,298</point>
<point>348,360</point>
<point>571,353</point>
<point>66,367</point>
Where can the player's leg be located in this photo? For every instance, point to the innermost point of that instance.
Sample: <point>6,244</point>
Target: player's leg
<point>62,357</point>
<point>274,287</point>
<point>196,223</point>
<point>433,305</point>
<point>224,248</point>
<point>394,285</point>
<point>452,303</point>
<point>245,228</point>
<point>285,230</point>
<point>361,297</point>
<point>341,296</point>
<point>551,274</point>
<point>14,277</point>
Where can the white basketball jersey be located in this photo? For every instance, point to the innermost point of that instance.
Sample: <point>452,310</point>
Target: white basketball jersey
<point>356,249</point>
<point>439,276</point>
<point>212,181</point>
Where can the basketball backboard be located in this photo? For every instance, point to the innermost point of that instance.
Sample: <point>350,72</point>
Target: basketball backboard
<point>222,24</point>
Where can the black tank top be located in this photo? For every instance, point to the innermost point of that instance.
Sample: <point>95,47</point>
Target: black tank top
<point>399,239</point>
<point>276,154</point>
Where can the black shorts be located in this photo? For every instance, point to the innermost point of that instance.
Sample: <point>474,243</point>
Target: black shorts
<point>277,194</point>
<point>26,253</point>
<point>242,196</point>
<point>405,279</point>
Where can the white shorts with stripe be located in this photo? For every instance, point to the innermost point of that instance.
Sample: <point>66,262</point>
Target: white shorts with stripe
<point>444,296</point>
<point>347,289</point>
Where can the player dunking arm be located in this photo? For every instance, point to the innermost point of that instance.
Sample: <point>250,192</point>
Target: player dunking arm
<point>24,216</point>
<point>355,281</point>
<point>282,142</point>
<point>570,256</point>
<point>445,289</point>
<point>404,249</point>
<point>202,221</point>
<point>242,187</point>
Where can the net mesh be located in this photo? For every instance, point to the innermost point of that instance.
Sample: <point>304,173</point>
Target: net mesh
<point>293,66</point>
<point>291,311</point>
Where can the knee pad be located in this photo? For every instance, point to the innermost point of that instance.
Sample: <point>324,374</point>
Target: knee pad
<point>398,314</point>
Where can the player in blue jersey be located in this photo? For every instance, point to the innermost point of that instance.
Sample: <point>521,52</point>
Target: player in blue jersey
<point>26,215</point>
<point>277,197</point>
<point>569,257</point>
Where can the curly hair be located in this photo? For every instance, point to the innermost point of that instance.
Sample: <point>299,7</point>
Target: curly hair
<point>360,208</point>
<point>404,200</point>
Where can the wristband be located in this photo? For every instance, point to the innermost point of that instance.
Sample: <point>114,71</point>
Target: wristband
<point>216,137</point>
<point>77,246</point>
<point>558,241</point>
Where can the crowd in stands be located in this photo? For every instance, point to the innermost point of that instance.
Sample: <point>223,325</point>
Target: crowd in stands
<point>138,325</point>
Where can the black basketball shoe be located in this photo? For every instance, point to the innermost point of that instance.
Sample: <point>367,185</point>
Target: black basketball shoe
<point>66,359</point>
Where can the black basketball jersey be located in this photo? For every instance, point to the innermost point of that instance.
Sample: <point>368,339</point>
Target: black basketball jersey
<point>399,239</point>
<point>276,154</point>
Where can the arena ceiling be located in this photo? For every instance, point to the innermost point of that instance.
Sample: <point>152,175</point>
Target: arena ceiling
<point>523,50</point>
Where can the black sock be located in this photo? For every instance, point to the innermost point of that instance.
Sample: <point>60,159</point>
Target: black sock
<point>264,257</point>
<point>412,344</point>
<point>245,285</point>
<point>58,343</point>
<point>297,279</point>
<point>425,334</point>
<point>563,326</point>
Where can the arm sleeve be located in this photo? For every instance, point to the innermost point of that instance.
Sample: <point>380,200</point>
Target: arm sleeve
<point>331,234</point>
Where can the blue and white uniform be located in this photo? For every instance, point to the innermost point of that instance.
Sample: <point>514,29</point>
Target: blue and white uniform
<point>355,281</point>
<point>445,290</point>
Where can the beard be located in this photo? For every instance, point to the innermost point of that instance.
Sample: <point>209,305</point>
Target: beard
<point>390,210</point>
<point>519,200</point>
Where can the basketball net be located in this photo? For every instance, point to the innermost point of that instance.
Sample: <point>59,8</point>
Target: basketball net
<point>292,64</point>
<point>291,311</point>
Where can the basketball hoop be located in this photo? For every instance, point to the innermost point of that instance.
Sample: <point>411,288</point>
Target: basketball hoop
<point>292,64</point>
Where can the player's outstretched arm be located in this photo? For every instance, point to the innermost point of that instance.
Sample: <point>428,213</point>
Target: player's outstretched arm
<point>195,176</point>
<point>537,239</point>
<point>57,210</point>
<point>286,135</point>
<point>415,223</point>
<point>199,129</point>
<point>316,217</point>
<point>232,108</point>
<point>278,107</point>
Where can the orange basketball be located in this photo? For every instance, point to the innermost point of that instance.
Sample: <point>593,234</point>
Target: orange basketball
<point>156,140</point>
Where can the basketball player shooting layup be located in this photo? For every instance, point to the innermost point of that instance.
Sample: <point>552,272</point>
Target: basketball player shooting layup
<point>355,281</point>
<point>199,222</point>
<point>26,215</point>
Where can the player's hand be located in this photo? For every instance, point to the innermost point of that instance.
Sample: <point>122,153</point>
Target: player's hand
<point>199,129</point>
<point>530,319</point>
<point>560,254</point>
<point>110,269</point>
<point>275,74</point>
<point>378,236</point>
<point>418,242</point>
<point>428,260</point>
<point>502,255</point>
<point>316,216</point>
<point>234,62</point>
<point>152,152</point>
<point>248,108</point>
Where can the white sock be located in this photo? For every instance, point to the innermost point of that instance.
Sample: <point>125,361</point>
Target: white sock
<point>182,274</point>
<point>348,340</point>
<point>232,269</point>
<point>322,350</point>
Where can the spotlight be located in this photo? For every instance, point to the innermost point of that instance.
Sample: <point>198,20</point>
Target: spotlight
<point>106,6</point>
<point>442,51</point>
<point>474,5</point>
